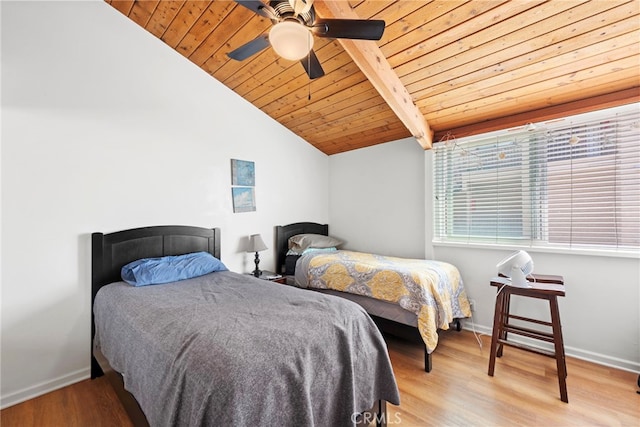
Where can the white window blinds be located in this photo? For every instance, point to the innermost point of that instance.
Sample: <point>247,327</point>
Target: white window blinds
<point>573,183</point>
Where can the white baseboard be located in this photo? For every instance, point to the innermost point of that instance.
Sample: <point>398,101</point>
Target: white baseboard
<point>43,388</point>
<point>589,356</point>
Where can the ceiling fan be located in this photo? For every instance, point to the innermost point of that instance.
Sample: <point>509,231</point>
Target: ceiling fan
<point>294,25</point>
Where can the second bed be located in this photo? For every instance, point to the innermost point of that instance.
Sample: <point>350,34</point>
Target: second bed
<point>407,297</point>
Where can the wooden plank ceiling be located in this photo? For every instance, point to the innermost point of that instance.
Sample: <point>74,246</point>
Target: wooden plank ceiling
<point>469,66</point>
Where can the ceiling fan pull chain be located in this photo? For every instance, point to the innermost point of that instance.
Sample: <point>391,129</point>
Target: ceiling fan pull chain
<point>309,67</point>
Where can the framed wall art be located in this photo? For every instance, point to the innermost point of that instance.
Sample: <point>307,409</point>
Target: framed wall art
<point>243,181</point>
<point>244,199</point>
<point>243,173</point>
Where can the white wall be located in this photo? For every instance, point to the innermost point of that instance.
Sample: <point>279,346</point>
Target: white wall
<point>377,199</point>
<point>600,313</point>
<point>105,128</point>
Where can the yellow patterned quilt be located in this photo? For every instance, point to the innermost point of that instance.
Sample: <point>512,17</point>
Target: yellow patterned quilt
<point>433,290</point>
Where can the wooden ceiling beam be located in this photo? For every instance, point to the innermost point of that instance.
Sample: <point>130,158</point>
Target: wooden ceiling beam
<point>369,58</point>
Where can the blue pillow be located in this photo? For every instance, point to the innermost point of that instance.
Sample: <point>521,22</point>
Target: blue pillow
<point>318,250</point>
<point>310,250</point>
<point>154,271</point>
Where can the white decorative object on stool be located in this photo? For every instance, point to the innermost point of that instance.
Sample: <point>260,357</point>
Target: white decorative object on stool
<point>517,267</point>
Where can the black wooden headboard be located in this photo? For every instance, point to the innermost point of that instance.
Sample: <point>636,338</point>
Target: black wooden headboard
<point>284,232</point>
<point>110,252</point>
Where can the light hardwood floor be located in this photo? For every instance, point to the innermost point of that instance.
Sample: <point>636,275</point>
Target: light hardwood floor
<point>458,392</point>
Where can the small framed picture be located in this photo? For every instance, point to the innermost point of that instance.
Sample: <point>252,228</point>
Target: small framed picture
<point>243,199</point>
<point>243,173</point>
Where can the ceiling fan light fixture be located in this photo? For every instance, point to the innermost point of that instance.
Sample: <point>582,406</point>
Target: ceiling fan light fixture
<point>291,40</point>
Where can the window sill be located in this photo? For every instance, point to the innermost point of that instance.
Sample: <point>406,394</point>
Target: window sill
<point>634,254</point>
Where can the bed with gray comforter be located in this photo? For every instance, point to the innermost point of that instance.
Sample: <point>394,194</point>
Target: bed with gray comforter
<point>228,349</point>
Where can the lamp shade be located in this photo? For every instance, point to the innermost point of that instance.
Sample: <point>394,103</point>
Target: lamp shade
<point>517,266</point>
<point>256,244</point>
<point>291,40</point>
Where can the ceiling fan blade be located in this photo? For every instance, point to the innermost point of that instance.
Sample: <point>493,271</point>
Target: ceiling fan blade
<point>250,48</point>
<point>312,65</point>
<point>259,8</point>
<point>358,29</point>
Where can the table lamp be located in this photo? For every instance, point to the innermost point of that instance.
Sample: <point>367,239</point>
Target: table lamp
<point>256,244</point>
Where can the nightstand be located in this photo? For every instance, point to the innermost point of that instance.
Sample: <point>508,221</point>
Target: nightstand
<point>272,277</point>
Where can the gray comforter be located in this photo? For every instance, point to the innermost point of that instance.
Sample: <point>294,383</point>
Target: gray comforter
<point>227,349</point>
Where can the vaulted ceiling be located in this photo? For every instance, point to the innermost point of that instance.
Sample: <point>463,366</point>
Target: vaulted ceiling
<point>442,67</point>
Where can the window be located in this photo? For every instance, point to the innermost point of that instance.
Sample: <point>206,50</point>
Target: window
<point>573,182</point>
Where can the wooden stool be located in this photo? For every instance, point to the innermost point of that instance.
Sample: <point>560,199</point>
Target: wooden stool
<point>544,287</point>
